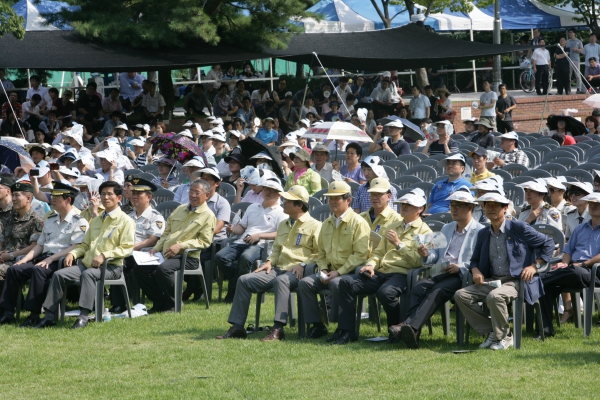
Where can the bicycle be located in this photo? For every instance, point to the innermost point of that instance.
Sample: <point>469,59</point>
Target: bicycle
<point>527,79</point>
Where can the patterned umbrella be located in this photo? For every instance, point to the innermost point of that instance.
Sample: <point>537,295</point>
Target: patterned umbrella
<point>13,155</point>
<point>179,148</point>
<point>337,130</point>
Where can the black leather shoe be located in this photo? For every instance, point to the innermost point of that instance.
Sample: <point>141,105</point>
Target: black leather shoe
<point>44,323</point>
<point>345,337</point>
<point>409,336</point>
<point>30,322</point>
<point>392,339</point>
<point>394,330</point>
<point>234,332</point>
<point>6,320</point>
<point>79,324</point>
<point>229,298</point>
<point>116,310</point>
<point>316,332</point>
<point>335,337</point>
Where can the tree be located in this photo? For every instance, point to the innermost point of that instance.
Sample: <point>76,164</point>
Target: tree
<point>10,22</point>
<point>251,24</point>
<point>431,7</point>
<point>589,11</point>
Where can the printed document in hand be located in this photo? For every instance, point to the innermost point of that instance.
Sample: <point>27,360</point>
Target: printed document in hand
<point>144,258</point>
<point>437,269</point>
<point>433,240</point>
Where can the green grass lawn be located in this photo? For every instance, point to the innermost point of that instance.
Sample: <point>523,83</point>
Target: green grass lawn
<point>176,356</point>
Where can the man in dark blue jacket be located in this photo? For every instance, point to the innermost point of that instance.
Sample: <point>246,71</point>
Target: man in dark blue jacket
<point>504,258</point>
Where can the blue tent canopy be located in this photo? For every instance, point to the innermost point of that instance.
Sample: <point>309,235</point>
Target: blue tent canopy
<point>360,15</point>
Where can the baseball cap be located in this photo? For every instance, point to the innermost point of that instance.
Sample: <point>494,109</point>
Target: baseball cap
<point>73,172</point>
<point>187,124</point>
<point>122,125</point>
<point>386,74</point>
<point>456,156</point>
<point>592,198</point>
<point>412,199</point>
<point>59,147</point>
<point>511,136</point>
<point>137,142</point>
<point>556,183</point>
<point>235,133</point>
<point>585,186</point>
<point>210,171</point>
<point>296,192</point>
<point>271,182</point>
<point>305,122</point>
<point>219,136</point>
<point>395,124</point>
<point>379,185</point>
<point>495,197</point>
<point>480,151</point>
<point>108,155</point>
<point>462,196</point>
<point>186,133</point>
<point>536,186</point>
<point>195,162</point>
<point>338,188</point>
<point>376,164</point>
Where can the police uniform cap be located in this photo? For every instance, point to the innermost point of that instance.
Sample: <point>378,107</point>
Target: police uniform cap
<point>59,188</point>
<point>141,184</point>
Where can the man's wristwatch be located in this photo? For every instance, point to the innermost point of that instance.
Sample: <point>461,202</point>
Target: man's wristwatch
<point>12,257</point>
<point>538,265</point>
<point>303,264</point>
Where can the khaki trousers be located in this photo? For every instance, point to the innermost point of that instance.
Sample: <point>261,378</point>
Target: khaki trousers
<point>496,301</point>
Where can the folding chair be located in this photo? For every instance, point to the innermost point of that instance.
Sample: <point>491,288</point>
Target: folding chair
<point>423,172</point>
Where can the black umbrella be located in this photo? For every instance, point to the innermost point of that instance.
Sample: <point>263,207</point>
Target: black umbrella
<point>574,126</point>
<point>410,130</point>
<point>251,147</point>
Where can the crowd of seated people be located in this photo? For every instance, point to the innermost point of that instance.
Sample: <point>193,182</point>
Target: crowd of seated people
<point>89,197</point>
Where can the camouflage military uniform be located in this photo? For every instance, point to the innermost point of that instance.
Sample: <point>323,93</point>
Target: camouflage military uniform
<point>126,207</point>
<point>5,214</point>
<point>17,233</point>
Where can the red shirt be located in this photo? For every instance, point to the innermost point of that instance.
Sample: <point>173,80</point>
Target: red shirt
<point>16,106</point>
<point>569,140</point>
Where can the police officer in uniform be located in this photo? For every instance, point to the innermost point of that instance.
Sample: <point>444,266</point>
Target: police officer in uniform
<point>557,188</point>
<point>149,226</point>
<point>21,230</point>
<point>537,211</point>
<point>579,212</point>
<point>63,230</point>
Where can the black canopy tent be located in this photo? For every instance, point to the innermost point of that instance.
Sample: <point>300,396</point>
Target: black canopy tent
<point>409,46</point>
<point>67,51</point>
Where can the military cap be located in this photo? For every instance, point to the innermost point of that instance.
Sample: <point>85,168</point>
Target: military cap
<point>141,184</point>
<point>21,187</point>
